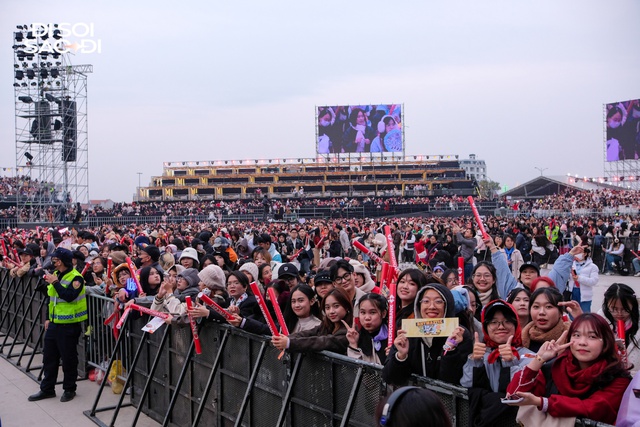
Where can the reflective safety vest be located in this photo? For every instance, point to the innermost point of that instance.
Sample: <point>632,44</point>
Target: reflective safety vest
<point>61,311</point>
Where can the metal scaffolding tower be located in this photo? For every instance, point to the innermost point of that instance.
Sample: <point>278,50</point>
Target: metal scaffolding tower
<point>51,128</point>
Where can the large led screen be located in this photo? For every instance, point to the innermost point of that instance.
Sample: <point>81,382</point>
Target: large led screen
<point>360,129</point>
<point>623,130</point>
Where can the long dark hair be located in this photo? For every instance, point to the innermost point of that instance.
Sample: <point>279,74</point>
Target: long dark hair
<point>290,317</point>
<point>624,293</point>
<point>328,327</point>
<point>144,280</point>
<point>413,407</point>
<point>614,368</point>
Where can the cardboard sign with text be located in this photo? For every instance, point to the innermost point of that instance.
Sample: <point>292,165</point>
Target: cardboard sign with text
<point>429,328</point>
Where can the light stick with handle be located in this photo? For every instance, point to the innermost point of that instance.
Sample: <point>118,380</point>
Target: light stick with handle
<point>215,306</point>
<point>276,308</point>
<point>87,266</point>
<point>371,254</point>
<point>109,267</point>
<point>390,248</point>
<point>123,318</point>
<point>392,311</point>
<point>132,270</point>
<point>474,209</point>
<point>620,341</point>
<point>194,327</point>
<point>264,309</point>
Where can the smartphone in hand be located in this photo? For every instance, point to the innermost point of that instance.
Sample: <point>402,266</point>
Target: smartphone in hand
<point>514,398</point>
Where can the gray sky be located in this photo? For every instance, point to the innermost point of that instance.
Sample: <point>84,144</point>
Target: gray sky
<point>519,83</point>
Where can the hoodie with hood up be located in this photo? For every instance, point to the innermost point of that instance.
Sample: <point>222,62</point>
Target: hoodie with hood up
<point>426,356</point>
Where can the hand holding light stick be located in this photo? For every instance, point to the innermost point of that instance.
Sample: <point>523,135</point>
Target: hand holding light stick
<point>371,254</point>
<point>194,327</point>
<point>86,268</point>
<point>109,267</point>
<point>392,311</point>
<point>474,209</point>
<point>264,309</point>
<point>215,306</point>
<point>620,341</point>
<point>132,270</point>
<point>390,248</point>
<point>460,271</point>
<point>276,308</point>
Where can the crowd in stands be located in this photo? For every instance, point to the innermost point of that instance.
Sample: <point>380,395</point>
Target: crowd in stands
<point>517,331</point>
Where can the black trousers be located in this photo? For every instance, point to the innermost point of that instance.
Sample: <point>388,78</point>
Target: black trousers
<point>60,342</point>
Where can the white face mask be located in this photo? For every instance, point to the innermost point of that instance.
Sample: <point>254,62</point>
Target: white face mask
<point>614,124</point>
<point>324,123</point>
<point>579,257</point>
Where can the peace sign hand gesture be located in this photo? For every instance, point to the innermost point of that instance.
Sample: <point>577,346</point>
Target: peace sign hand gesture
<point>352,334</point>
<point>550,349</point>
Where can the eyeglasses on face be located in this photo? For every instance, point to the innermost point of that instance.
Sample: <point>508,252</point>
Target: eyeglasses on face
<point>494,324</point>
<point>485,276</point>
<point>436,302</point>
<point>345,277</point>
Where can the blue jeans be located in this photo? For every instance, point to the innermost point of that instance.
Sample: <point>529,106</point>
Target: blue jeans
<point>585,306</point>
<point>636,265</point>
<point>611,259</point>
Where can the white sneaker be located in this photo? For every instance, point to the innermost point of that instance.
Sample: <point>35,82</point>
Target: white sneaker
<point>608,273</point>
<point>637,274</point>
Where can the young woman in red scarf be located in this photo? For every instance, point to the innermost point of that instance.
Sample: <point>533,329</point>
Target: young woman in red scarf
<point>493,363</point>
<point>586,379</point>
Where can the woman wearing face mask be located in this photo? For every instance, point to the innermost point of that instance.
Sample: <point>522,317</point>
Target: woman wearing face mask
<point>331,335</point>
<point>546,319</point>
<point>616,118</point>
<point>369,342</point>
<point>586,379</point>
<point>620,303</point>
<point>438,358</point>
<point>493,363</point>
<point>584,277</point>
<point>514,257</point>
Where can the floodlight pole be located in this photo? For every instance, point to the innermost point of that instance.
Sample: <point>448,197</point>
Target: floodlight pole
<point>541,170</point>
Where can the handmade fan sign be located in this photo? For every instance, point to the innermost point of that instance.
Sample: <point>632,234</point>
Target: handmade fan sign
<point>429,328</point>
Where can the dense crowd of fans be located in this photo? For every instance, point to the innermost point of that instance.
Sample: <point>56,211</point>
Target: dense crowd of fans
<point>521,336</point>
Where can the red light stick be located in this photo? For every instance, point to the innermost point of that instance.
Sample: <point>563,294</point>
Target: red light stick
<point>276,308</point>
<point>86,268</point>
<point>460,271</point>
<point>264,309</point>
<point>621,330</point>
<point>109,267</point>
<point>4,248</point>
<point>148,311</point>
<point>477,216</point>
<point>215,306</point>
<point>371,254</point>
<point>132,270</point>
<point>392,311</point>
<point>194,327</point>
<point>295,255</point>
<point>123,318</point>
<point>390,248</point>
<point>15,255</point>
<point>384,286</point>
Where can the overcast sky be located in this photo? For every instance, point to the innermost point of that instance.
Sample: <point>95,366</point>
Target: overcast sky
<point>519,83</point>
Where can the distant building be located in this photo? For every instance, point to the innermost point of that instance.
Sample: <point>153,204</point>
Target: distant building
<point>474,168</point>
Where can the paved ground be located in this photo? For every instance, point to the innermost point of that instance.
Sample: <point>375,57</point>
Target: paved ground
<point>15,387</point>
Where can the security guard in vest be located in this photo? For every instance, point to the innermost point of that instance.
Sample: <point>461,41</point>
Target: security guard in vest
<point>67,309</point>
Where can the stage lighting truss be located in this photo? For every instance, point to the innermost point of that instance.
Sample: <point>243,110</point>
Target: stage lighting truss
<point>50,124</point>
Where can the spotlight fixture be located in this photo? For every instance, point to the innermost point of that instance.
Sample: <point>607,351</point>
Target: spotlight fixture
<point>31,74</point>
<point>19,27</point>
<point>56,34</point>
<point>19,37</point>
<point>52,98</point>
<point>30,35</point>
<point>19,74</point>
<point>25,99</point>
<point>55,73</point>
<point>28,156</point>
<point>44,73</point>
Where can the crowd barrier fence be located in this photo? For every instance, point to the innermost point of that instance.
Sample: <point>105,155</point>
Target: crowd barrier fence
<point>238,379</point>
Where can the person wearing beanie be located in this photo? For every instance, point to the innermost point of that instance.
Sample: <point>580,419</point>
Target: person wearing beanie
<point>213,278</point>
<point>251,270</point>
<point>494,362</point>
<point>167,260</point>
<point>188,282</point>
<point>438,358</point>
<point>67,309</point>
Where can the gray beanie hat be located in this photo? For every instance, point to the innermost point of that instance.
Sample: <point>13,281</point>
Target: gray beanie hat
<point>213,277</point>
<point>251,268</point>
